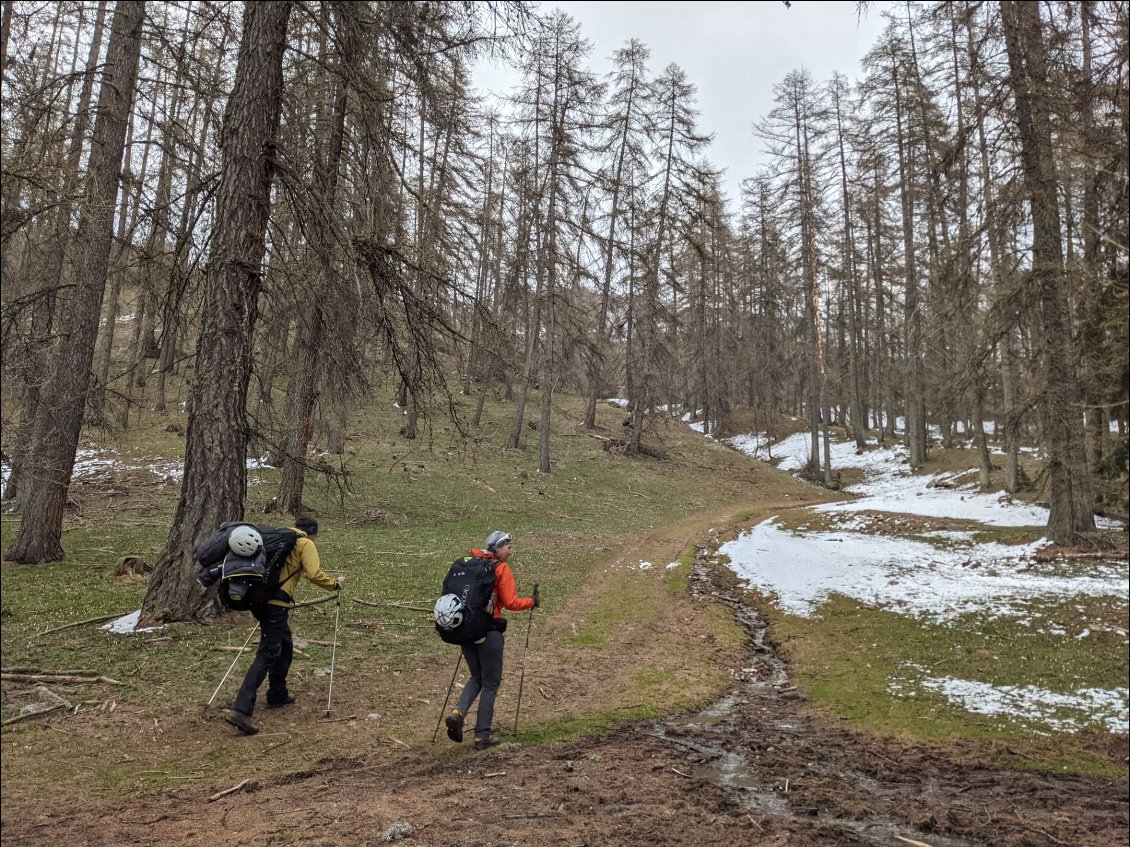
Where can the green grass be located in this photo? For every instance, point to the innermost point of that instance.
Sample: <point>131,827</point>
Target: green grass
<point>848,657</point>
<point>408,508</point>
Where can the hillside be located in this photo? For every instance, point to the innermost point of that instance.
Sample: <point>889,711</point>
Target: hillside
<point>642,628</point>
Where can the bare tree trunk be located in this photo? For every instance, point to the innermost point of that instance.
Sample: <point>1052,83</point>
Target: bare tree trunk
<point>58,424</point>
<point>1071,493</point>
<point>215,473</point>
<point>915,389</point>
<point>33,375</point>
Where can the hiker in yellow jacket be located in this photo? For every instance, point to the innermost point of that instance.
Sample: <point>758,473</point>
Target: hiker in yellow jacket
<point>276,644</point>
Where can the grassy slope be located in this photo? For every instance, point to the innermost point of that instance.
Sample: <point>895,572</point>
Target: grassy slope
<point>611,642</point>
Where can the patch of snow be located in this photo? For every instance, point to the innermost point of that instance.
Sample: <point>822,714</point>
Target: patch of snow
<point>911,577</point>
<point>127,624</point>
<point>672,565</point>
<point>1029,703</point>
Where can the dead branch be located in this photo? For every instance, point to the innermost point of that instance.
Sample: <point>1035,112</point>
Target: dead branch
<point>98,619</point>
<point>338,720</point>
<point>26,677</point>
<point>228,791</point>
<point>306,603</point>
<point>71,672</point>
<point>31,715</point>
<point>393,604</point>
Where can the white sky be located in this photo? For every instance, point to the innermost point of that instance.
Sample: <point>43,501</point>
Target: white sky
<point>734,52</point>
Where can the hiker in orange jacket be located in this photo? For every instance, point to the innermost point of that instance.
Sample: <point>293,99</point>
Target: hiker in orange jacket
<point>484,657</point>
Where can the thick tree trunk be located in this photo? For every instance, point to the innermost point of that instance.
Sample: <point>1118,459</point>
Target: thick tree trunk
<point>1071,494</point>
<point>58,422</point>
<point>215,472</point>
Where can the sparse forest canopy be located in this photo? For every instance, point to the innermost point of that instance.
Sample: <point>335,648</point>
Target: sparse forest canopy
<point>270,211</point>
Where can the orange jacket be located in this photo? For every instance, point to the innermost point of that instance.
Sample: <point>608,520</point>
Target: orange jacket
<point>505,593</point>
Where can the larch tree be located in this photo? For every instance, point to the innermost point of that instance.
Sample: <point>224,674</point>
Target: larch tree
<point>58,423</point>
<point>215,473</point>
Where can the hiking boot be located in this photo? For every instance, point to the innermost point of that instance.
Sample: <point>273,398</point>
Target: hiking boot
<point>242,722</point>
<point>454,723</point>
<point>278,705</point>
<point>483,742</point>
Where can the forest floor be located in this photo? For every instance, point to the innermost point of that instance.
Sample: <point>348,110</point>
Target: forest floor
<point>760,766</point>
<point>656,707</point>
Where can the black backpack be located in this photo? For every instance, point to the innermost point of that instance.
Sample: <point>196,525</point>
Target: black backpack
<point>246,581</point>
<point>467,602</point>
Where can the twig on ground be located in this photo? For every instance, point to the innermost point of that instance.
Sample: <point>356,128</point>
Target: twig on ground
<point>317,602</point>
<point>338,720</point>
<point>680,773</point>
<point>393,604</point>
<point>228,791</point>
<point>26,677</point>
<point>31,715</point>
<point>98,619</point>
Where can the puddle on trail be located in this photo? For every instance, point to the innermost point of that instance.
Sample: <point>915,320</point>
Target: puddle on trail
<point>716,743</point>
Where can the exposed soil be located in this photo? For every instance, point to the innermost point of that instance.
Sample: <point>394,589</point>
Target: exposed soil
<point>758,767</point>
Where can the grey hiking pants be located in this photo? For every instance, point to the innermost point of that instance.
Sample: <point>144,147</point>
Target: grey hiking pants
<point>485,661</point>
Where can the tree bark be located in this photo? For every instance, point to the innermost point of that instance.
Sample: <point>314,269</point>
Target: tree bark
<point>215,473</point>
<point>58,422</point>
<point>1071,506</point>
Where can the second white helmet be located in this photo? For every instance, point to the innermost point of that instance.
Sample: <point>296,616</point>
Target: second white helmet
<point>448,612</point>
<point>245,541</point>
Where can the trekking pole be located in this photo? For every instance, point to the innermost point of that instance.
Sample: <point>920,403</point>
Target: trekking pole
<point>443,711</point>
<point>522,680</point>
<point>236,659</point>
<point>333,658</point>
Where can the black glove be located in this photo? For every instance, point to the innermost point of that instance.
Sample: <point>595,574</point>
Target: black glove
<point>537,596</point>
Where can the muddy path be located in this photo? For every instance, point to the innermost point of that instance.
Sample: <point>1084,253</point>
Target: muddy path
<point>759,767</point>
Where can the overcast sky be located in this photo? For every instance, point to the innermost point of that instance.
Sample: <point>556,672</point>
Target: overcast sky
<point>734,52</point>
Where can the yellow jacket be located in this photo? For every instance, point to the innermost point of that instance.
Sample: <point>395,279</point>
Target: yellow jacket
<point>303,559</point>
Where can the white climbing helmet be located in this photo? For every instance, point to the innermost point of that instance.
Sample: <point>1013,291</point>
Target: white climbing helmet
<point>245,541</point>
<point>448,612</point>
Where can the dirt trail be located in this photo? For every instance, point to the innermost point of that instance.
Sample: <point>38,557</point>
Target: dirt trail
<point>755,768</point>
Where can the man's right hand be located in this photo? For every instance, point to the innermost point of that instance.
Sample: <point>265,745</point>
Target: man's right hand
<point>339,582</point>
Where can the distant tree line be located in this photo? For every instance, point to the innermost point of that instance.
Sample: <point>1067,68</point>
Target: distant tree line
<point>288,206</point>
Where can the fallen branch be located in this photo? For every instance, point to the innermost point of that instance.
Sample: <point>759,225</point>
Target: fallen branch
<point>911,841</point>
<point>493,774</point>
<point>680,773</point>
<point>31,715</point>
<point>392,604</point>
<point>72,672</point>
<point>98,619</point>
<point>318,602</point>
<point>228,791</point>
<point>338,720</point>
<point>27,677</point>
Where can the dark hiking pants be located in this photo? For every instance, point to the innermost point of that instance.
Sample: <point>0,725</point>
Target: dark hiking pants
<point>485,661</point>
<point>276,649</point>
